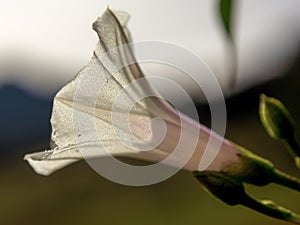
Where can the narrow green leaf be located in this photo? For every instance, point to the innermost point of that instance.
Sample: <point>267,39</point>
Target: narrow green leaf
<point>225,14</point>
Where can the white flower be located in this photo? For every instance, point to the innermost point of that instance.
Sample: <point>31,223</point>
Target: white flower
<point>92,95</point>
<point>110,109</point>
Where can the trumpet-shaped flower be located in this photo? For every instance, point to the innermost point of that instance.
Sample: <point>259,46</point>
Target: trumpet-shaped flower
<point>110,97</point>
<point>111,109</point>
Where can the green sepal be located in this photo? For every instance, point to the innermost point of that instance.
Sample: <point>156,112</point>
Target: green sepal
<point>221,186</point>
<point>250,168</point>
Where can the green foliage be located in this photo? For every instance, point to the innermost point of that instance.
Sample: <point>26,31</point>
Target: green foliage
<point>225,14</point>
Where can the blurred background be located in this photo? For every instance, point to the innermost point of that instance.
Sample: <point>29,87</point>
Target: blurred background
<point>44,43</point>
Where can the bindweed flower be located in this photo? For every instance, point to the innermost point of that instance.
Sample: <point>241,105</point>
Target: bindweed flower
<point>112,93</point>
<point>110,109</point>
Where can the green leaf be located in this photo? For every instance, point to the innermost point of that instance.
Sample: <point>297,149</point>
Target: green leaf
<point>225,14</point>
<point>279,123</point>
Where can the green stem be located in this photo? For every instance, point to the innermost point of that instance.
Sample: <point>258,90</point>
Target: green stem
<point>294,149</point>
<point>293,145</point>
<point>285,179</point>
<point>271,209</point>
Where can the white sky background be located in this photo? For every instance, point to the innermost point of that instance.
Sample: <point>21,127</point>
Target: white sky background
<point>44,43</point>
